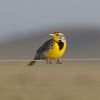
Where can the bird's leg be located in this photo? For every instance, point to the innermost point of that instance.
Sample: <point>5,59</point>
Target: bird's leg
<point>59,62</point>
<point>48,61</point>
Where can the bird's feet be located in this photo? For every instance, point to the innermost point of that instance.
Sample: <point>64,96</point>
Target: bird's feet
<point>59,62</point>
<point>48,62</point>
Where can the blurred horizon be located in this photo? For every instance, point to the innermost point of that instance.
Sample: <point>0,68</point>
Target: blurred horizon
<point>25,25</point>
<point>65,28</point>
<point>83,42</point>
<point>22,17</point>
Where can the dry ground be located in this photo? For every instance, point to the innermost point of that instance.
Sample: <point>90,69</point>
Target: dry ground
<point>72,80</point>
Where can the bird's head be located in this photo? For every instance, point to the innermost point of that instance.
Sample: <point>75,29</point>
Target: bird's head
<point>57,36</point>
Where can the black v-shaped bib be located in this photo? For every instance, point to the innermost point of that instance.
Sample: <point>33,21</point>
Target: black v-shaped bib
<point>61,45</point>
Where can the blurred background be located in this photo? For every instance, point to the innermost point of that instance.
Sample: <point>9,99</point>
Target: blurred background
<point>25,25</point>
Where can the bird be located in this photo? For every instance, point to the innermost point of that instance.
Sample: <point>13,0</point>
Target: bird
<point>52,49</point>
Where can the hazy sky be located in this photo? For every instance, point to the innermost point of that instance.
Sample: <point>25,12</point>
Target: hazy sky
<point>22,15</point>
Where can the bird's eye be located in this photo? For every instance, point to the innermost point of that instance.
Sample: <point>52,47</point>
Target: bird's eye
<point>57,34</point>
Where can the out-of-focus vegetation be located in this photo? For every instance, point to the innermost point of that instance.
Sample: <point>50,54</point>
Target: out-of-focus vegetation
<point>73,80</point>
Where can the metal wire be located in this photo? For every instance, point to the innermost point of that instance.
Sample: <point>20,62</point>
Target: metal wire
<point>22,60</point>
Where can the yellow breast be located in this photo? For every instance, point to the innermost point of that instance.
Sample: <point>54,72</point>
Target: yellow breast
<point>54,51</point>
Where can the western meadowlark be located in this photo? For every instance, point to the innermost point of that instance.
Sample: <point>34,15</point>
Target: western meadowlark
<point>52,49</point>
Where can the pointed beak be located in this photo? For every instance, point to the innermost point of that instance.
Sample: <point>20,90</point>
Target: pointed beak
<point>51,34</point>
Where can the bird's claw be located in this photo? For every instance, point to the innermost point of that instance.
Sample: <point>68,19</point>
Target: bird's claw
<point>48,62</point>
<point>59,62</point>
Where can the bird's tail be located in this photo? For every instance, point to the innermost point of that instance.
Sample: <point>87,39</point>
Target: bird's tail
<point>32,62</point>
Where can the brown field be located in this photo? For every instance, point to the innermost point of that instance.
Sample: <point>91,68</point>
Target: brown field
<point>72,80</point>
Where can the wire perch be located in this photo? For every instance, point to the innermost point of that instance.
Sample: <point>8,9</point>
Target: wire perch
<point>21,60</point>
